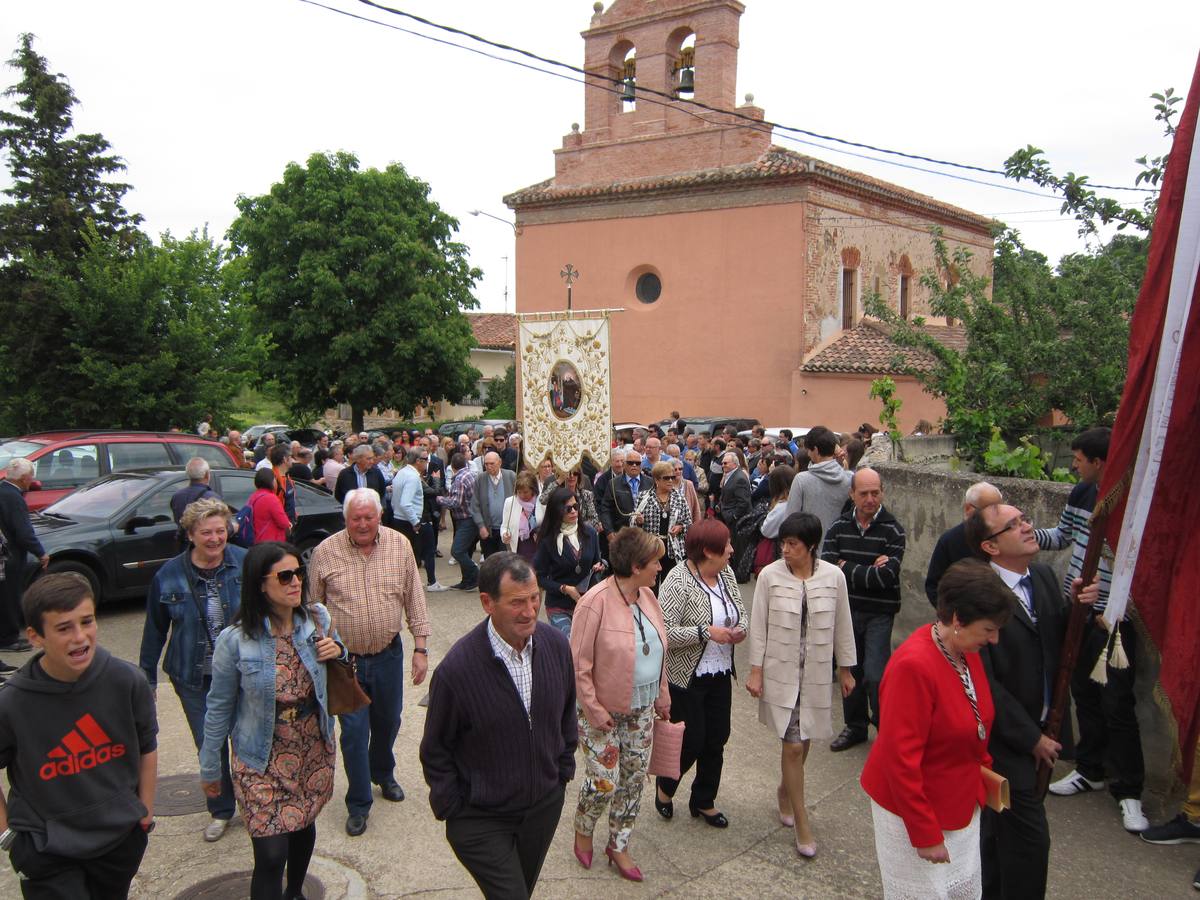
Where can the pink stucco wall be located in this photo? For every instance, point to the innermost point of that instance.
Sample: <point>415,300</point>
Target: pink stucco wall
<point>727,332</point>
<point>841,402</point>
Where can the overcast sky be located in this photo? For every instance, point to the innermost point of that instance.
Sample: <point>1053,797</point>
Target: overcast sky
<point>208,100</point>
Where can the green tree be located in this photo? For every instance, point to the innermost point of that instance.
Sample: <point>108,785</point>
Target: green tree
<point>156,334</point>
<point>1000,378</point>
<point>1094,298</point>
<point>61,185</point>
<point>502,395</point>
<point>356,278</point>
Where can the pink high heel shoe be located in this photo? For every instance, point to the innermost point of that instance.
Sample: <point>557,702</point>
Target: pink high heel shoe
<point>784,818</point>
<point>808,851</point>
<point>585,859</point>
<point>633,873</point>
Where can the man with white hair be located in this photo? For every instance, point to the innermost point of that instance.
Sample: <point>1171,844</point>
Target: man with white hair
<point>487,502</point>
<point>367,577</point>
<point>952,545</point>
<point>361,473</point>
<point>16,540</point>
<point>197,487</point>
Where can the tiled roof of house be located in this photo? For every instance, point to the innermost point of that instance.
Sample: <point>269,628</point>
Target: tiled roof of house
<point>776,163</point>
<point>494,331</point>
<point>868,349</point>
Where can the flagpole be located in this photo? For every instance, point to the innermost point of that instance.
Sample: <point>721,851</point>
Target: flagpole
<point>1069,653</point>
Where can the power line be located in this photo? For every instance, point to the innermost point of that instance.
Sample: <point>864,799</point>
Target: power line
<point>615,89</point>
<point>672,98</point>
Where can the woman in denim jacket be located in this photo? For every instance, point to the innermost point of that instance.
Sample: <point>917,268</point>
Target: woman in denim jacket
<point>269,694</point>
<point>191,598</point>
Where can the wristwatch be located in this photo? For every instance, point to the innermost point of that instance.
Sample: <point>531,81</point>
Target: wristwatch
<point>424,650</point>
<point>6,839</point>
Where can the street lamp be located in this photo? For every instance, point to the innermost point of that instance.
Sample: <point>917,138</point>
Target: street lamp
<point>512,225</point>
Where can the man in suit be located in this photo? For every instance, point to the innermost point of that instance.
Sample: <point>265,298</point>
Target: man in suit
<point>952,545</point>
<point>1021,668</point>
<point>487,502</point>
<point>601,488</point>
<point>735,490</point>
<point>19,538</point>
<point>620,497</point>
<point>359,474</point>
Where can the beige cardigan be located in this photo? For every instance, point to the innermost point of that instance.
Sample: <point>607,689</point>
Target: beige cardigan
<point>775,622</point>
<point>602,643</point>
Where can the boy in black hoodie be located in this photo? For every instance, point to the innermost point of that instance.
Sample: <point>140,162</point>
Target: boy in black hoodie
<point>78,736</point>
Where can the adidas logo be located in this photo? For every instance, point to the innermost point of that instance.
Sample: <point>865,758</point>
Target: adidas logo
<point>84,747</point>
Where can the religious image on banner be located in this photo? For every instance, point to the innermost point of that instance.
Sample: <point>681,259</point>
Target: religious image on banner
<point>565,386</point>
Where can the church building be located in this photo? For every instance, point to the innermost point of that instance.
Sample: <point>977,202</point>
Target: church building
<point>740,265</point>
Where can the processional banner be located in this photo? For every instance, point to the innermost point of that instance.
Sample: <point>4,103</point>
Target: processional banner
<point>565,387</point>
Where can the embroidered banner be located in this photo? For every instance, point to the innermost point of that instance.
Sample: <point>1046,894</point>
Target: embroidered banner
<point>565,387</point>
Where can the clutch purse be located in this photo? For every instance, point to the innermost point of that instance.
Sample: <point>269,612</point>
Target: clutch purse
<point>345,694</point>
<point>997,790</point>
<point>668,744</point>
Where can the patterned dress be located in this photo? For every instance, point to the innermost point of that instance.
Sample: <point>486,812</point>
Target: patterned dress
<point>298,780</point>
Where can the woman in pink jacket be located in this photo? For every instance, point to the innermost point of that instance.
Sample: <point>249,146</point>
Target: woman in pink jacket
<point>270,521</point>
<point>618,644</point>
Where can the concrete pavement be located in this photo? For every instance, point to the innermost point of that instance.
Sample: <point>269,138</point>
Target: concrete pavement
<point>404,852</point>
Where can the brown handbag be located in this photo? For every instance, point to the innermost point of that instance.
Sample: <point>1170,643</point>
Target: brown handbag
<point>344,695</point>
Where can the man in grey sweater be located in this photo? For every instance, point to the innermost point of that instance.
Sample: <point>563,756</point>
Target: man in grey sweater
<point>823,487</point>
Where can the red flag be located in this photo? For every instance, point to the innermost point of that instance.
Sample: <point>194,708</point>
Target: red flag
<point>1154,525</point>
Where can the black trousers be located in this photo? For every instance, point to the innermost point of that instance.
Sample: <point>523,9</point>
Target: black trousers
<point>1108,726</point>
<point>703,706</point>
<point>492,543</point>
<point>11,589</point>
<point>51,877</point>
<point>1015,849</point>
<point>405,528</point>
<point>504,851</point>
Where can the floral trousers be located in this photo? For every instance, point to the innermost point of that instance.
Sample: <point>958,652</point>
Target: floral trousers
<point>615,770</point>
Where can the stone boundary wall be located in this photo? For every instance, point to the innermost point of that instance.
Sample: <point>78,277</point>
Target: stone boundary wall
<point>928,501</point>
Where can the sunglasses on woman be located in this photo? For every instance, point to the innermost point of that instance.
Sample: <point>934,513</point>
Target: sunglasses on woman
<point>285,576</point>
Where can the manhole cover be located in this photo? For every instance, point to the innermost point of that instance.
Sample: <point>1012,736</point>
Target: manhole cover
<point>236,886</point>
<point>179,795</point>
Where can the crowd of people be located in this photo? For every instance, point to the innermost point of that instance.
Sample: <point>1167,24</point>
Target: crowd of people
<point>641,567</point>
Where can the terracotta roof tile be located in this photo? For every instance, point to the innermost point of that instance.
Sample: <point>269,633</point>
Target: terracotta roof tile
<point>494,331</point>
<point>868,349</point>
<point>775,163</point>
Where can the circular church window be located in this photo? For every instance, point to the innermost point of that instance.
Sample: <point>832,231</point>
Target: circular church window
<point>648,288</point>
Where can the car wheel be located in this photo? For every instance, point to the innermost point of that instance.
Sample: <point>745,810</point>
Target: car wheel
<point>306,550</point>
<point>80,568</point>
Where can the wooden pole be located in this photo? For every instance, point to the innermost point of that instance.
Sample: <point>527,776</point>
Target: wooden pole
<point>1069,654</point>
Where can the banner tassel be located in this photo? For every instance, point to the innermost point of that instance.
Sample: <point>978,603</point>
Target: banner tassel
<point>1117,658</point>
<point>1100,672</point>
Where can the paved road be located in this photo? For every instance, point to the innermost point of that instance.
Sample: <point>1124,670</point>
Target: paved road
<point>404,852</point>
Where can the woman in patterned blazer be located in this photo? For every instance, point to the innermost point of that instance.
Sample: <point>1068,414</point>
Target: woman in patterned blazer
<point>703,611</point>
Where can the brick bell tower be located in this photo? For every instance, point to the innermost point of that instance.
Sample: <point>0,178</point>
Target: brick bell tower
<point>645,59</point>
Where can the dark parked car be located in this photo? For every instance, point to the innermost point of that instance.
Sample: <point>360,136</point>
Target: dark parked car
<point>712,424</point>
<point>117,530</point>
<point>454,429</point>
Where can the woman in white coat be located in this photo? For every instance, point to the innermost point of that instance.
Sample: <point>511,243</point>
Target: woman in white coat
<point>800,621</point>
<point>518,529</point>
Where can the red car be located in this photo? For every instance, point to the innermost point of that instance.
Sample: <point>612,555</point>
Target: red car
<point>65,460</point>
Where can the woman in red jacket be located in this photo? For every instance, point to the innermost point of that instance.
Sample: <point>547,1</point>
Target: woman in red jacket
<point>924,773</point>
<point>270,521</point>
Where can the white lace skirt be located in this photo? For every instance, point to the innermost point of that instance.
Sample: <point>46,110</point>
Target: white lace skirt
<point>908,877</point>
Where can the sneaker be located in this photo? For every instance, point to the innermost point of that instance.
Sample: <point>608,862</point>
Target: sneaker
<point>1075,784</point>
<point>6,669</point>
<point>16,645</point>
<point>1132,817</point>
<point>1178,831</point>
<point>435,588</point>
<point>452,561</point>
<point>216,829</point>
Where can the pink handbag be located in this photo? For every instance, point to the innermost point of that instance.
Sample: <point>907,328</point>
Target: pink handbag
<point>668,745</point>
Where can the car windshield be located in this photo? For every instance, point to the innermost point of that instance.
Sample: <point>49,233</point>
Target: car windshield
<point>99,499</point>
<point>10,450</point>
